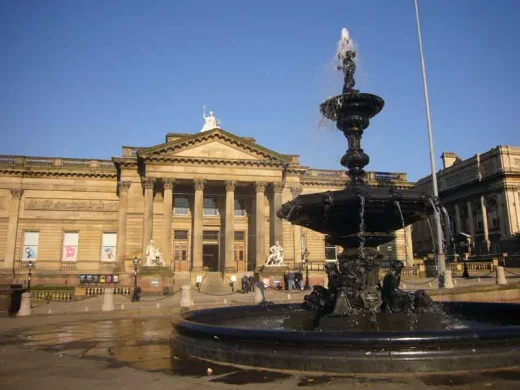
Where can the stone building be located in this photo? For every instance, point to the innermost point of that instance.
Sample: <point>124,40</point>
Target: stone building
<point>482,197</point>
<point>207,200</point>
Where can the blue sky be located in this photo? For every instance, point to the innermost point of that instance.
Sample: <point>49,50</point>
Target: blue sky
<point>82,78</point>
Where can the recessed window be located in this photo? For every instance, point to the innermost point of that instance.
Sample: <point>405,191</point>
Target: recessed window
<point>330,251</point>
<point>210,235</point>
<point>239,252</point>
<point>210,207</point>
<point>181,234</point>
<point>240,210</point>
<point>240,236</point>
<point>180,252</point>
<point>70,246</point>
<point>181,205</point>
<point>30,246</point>
<point>108,247</point>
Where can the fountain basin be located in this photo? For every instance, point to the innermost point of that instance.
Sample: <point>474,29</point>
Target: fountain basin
<point>353,103</point>
<point>254,336</point>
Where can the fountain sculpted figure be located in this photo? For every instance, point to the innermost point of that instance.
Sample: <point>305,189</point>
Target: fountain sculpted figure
<point>276,255</point>
<point>153,256</point>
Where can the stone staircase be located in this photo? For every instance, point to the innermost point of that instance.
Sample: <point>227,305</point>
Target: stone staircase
<point>214,284</point>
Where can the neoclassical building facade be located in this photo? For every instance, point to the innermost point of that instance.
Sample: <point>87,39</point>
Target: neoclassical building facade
<point>207,200</point>
<point>481,195</point>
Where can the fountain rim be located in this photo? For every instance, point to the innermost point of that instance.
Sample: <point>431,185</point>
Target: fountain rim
<point>186,325</point>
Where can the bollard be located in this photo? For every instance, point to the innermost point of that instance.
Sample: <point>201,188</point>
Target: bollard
<point>448,280</point>
<point>108,300</point>
<point>50,311</point>
<point>455,282</point>
<point>259,293</point>
<point>288,296</point>
<point>86,308</point>
<point>501,276</point>
<point>186,301</point>
<point>225,301</point>
<point>122,307</point>
<point>158,305</point>
<point>478,280</point>
<point>404,285</point>
<point>25,306</point>
<point>429,284</point>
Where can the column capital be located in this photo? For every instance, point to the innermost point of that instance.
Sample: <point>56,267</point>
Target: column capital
<point>148,182</point>
<point>16,193</point>
<point>277,187</point>
<point>199,183</point>
<point>296,191</point>
<point>124,186</point>
<point>230,185</point>
<point>168,183</point>
<point>260,186</point>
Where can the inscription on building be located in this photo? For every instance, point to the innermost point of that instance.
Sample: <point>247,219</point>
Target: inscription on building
<point>71,205</point>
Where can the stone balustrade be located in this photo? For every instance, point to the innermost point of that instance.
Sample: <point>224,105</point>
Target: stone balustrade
<point>22,161</point>
<point>52,295</point>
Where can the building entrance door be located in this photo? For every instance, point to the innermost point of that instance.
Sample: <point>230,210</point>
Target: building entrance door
<point>210,257</point>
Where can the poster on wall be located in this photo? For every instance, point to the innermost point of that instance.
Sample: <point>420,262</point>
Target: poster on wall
<point>108,253</point>
<point>30,253</point>
<point>115,278</point>
<point>102,279</point>
<point>109,278</point>
<point>70,253</point>
<point>82,278</point>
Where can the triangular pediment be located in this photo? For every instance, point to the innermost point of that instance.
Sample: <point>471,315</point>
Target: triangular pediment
<point>213,144</point>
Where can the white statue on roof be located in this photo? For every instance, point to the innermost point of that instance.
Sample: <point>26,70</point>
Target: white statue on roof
<point>210,121</point>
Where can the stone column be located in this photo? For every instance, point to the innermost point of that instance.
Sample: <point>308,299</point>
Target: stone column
<point>12,227</point>
<point>409,245</point>
<point>167,221</point>
<point>148,184</point>
<point>471,220</point>
<point>485,222</point>
<point>259,228</point>
<point>458,222</point>
<point>229,262</point>
<point>297,231</point>
<point>277,203</point>
<point>123,186</point>
<point>504,222</point>
<point>197,224</point>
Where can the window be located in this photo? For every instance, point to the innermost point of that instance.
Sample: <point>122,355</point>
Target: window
<point>181,235</point>
<point>330,251</point>
<point>30,246</point>
<point>303,245</point>
<point>181,205</point>
<point>480,222</point>
<point>70,246</point>
<point>108,247</point>
<point>239,252</point>
<point>240,210</point>
<point>180,252</point>
<point>210,207</point>
<point>240,236</point>
<point>211,235</point>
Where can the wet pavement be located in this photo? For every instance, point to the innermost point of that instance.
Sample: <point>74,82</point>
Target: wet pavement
<point>136,352</point>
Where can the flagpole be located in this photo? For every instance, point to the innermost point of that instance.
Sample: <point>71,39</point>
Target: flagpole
<point>438,228</point>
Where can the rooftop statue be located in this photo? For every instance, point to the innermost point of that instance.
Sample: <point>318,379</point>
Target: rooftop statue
<point>210,121</point>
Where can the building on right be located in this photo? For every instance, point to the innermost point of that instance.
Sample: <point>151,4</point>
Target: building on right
<point>482,197</point>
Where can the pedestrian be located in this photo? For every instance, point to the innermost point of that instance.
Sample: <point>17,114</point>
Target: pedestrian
<point>252,283</point>
<point>290,280</point>
<point>297,281</point>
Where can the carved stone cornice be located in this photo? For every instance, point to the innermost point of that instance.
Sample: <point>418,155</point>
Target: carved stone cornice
<point>230,185</point>
<point>16,193</point>
<point>260,186</point>
<point>199,184</point>
<point>296,191</point>
<point>148,182</point>
<point>124,186</point>
<point>166,160</point>
<point>277,187</point>
<point>168,183</point>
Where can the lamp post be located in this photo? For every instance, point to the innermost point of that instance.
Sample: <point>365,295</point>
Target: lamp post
<point>441,261</point>
<point>135,295</point>
<point>389,247</point>
<point>305,255</point>
<point>30,265</point>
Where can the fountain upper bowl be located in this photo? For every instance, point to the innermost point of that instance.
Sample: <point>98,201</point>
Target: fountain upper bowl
<point>352,104</point>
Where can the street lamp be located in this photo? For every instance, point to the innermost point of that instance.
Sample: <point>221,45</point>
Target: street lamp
<point>389,247</point>
<point>135,296</point>
<point>30,265</point>
<point>306,260</point>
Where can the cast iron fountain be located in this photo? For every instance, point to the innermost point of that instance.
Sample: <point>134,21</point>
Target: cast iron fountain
<point>356,324</point>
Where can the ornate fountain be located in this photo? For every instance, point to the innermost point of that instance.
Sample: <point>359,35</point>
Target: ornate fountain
<point>359,217</point>
<point>357,324</point>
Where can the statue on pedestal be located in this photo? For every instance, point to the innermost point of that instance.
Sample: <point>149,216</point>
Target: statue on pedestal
<point>210,121</point>
<point>153,256</point>
<point>276,255</point>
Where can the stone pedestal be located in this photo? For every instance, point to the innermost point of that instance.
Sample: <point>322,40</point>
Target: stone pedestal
<point>501,276</point>
<point>25,307</point>
<point>154,279</point>
<point>108,300</point>
<point>185,297</point>
<point>448,280</point>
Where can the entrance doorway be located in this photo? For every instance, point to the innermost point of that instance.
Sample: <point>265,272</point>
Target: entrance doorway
<point>210,257</point>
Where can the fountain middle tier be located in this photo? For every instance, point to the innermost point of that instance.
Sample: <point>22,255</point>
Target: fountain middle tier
<point>337,213</point>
